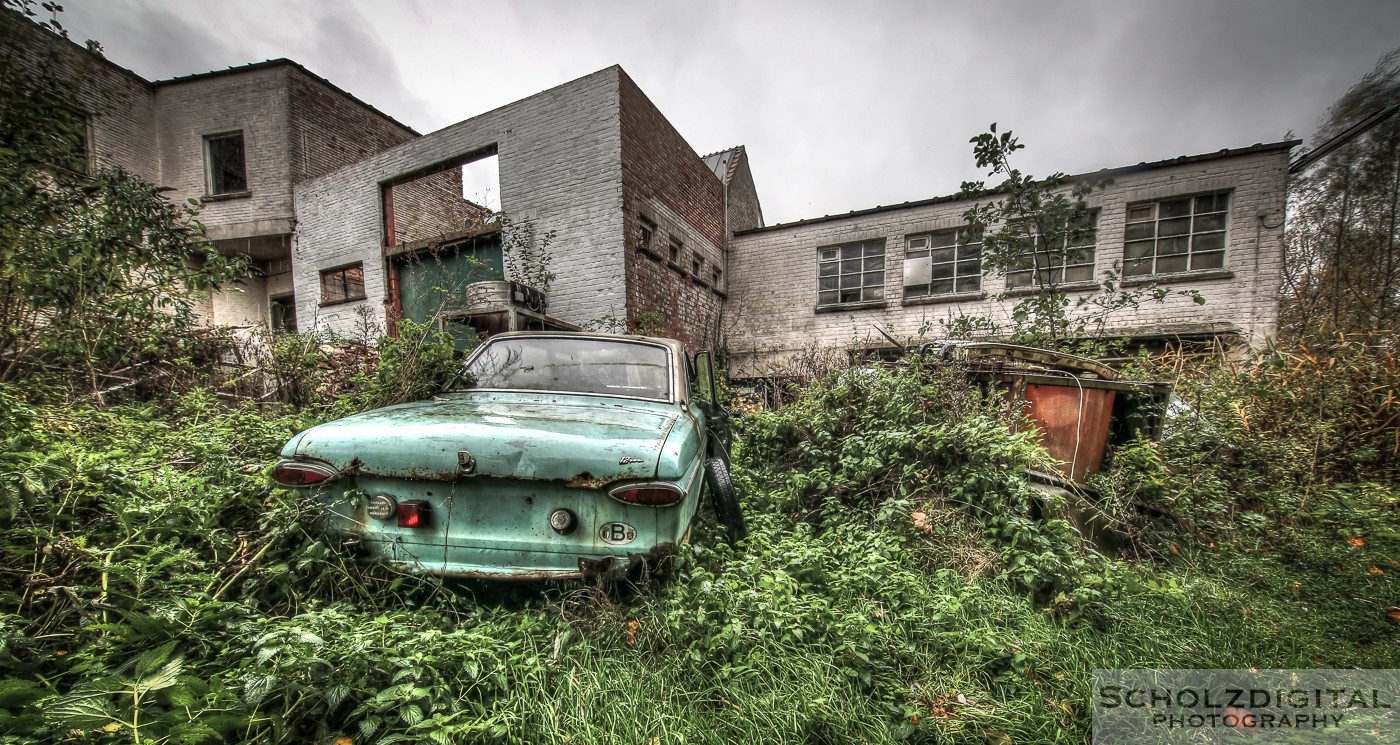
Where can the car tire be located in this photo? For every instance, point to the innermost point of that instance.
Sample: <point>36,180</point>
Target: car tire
<point>725,499</point>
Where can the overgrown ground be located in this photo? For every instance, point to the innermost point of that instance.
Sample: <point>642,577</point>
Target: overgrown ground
<point>900,583</point>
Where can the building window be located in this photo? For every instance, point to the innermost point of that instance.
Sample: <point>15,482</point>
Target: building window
<point>224,161</point>
<point>343,284</point>
<point>944,263</point>
<point>715,276</point>
<point>646,233</point>
<point>1071,261</point>
<point>852,273</point>
<point>676,248</point>
<point>283,312</point>
<point>1175,235</point>
<point>697,266</point>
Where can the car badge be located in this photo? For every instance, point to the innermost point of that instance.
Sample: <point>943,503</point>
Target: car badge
<point>628,459</point>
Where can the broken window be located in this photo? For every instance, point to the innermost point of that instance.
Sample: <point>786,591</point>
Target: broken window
<point>676,249</point>
<point>225,164</point>
<point>646,233</point>
<point>947,262</point>
<point>1186,234</point>
<point>1071,260</point>
<point>343,284</point>
<point>444,202</point>
<point>697,266</point>
<point>852,273</point>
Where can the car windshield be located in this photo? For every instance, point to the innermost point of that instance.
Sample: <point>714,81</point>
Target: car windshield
<point>597,366</point>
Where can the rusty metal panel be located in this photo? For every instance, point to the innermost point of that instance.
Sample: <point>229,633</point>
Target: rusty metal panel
<point>1073,423</point>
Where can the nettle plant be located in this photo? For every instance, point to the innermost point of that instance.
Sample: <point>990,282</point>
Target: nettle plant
<point>1040,235</point>
<point>526,252</point>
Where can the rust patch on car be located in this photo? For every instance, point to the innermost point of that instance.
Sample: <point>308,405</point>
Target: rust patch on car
<point>585,480</point>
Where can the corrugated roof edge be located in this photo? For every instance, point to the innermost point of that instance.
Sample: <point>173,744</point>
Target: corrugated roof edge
<point>1106,172</point>
<point>281,61</point>
<point>737,150</point>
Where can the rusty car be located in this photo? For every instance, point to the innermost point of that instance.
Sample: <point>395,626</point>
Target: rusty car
<point>553,455</point>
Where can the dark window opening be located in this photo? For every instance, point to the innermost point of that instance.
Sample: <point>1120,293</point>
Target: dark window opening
<point>225,162</point>
<point>343,285</point>
<point>676,248</point>
<point>283,313</point>
<point>646,233</point>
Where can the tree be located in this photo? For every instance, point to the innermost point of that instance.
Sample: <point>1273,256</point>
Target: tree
<point>1038,230</point>
<point>1341,269</point>
<point>98,271</point>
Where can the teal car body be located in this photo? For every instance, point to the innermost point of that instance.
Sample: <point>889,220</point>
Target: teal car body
<point>557,456</point>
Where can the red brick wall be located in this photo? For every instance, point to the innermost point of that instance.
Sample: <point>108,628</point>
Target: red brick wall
<point>664,177</point>
<point>331,131</point>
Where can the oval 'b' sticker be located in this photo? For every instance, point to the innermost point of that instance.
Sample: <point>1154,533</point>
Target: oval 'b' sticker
<point>617,534</point>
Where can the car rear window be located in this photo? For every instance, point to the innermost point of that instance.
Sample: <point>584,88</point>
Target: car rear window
<point>612,368</point>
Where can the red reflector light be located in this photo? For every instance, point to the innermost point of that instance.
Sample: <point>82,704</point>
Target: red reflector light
<point>301,474</point>
<point>415,514</point>
<point>652,495</point>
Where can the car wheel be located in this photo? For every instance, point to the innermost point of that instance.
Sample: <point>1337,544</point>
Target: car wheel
<point>726,499</point>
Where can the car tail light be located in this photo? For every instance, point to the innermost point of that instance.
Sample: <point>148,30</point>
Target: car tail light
<point>415,514</point>
<point>295,474</point>
<point>654,495</point>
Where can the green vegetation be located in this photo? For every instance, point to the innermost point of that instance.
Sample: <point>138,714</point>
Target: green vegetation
<point>899,583</point>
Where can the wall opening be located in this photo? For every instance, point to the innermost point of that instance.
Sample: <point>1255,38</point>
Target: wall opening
<point>446,201</point>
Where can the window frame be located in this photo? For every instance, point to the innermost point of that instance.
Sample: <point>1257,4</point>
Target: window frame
<point>956,279</point>
<point>1217,239</point>
<point>646,236</point>
<point>835,256</point>
<point>210,175</point>
<point>342,270</point>
<point>1028,263</point>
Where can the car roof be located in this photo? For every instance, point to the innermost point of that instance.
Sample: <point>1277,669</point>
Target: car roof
<point>600,336</point>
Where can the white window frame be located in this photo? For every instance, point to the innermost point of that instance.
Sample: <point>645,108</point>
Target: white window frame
<point>1072,258</point>
<point>1194,242</point>
<point>850,273</point>
<point>952,252</point>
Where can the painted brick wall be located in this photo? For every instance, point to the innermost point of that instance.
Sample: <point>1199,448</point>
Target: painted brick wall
<point>560,164</point>
<point>665,180</point>
<point>773,272</point>
<point>255,102</point>
<point>121,105</point>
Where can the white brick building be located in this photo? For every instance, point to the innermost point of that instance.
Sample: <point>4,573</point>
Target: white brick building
<point>349,218</point>
<point>1231,253</point>
<point>238,139</point>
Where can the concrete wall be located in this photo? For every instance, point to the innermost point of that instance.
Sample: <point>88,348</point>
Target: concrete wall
<point>773,272</point>
<point>560,168</point>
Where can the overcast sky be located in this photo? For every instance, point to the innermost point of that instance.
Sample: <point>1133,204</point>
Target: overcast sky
<point>842,105</point>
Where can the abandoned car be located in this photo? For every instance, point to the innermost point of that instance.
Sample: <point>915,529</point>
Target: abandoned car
<point>553,455</point>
